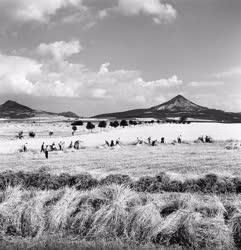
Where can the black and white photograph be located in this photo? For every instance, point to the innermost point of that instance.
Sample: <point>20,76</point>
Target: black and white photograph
<point>120,124</point>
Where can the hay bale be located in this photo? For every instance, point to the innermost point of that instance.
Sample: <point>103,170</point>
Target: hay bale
<point>167,232</point>
<point>110,221</point>
<point>143,221</point>
<point>207,206</point>
<point>207,233</point>
<point>235,224</point>
<point>15,200</point>
<point>62,210</point>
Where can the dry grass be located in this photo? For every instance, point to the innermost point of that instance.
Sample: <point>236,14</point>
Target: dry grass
<point>118,214</point>
<point>185,159</point>
<point>163,182</point>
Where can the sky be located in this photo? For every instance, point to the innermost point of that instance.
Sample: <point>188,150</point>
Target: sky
<point>100,56</point>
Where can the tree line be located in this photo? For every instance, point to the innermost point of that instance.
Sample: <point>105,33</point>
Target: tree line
<point>124,123</point>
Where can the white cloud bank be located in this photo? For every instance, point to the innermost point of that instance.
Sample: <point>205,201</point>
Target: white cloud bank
<point>232,72</point>
<point>157,10</point>
<point>43,10</point>
<point>21,75</point>
<point>37,10</point>
<point>59,50</point>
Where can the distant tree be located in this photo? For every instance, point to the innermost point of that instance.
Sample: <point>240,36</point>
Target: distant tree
<point>90,126</point>
<point>51,133</point>
<point>131,122</point>
<point>31,134</point>
<point>158,121</point>
<point>111,124</point>
<point>183,119</point>
<point>74,128</point>
<point>78,123</point>
<point>102,124</point>
<point>116,124</point>
<point>123,123</point>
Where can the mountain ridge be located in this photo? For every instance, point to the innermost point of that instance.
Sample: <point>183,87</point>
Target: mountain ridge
<point>179,106</point>
<point>13,110</point>
<point>176,103</point>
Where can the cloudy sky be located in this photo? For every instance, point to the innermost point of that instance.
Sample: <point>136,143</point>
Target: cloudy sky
<point>97,56</point>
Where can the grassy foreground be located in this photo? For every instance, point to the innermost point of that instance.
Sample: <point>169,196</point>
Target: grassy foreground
<point>110,216</point>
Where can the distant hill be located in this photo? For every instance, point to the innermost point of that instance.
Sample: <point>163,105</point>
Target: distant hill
<point>68,114</point>
<point>178,106</point>
<point>13,110</point>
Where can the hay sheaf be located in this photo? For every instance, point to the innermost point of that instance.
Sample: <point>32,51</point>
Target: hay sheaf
<point>117,213</point>
<point>163,182</point>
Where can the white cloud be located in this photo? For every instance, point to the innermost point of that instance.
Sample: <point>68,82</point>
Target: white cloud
<point>232,72</point>
<point>140,99</point>
<point>37,10</point>
<point>60,77</point>
<point>79,11</point>
<point>159,11</point>
<point>59,50</point>
<point>99,93</point>
<point>15,73</point>
<point>170,82</point>
<point>103,13</point>
<point>104,68</point>
<point>205,83</point>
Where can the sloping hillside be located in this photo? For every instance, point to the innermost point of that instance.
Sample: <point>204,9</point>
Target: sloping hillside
<point>178,106</point>
<point>13,110</point>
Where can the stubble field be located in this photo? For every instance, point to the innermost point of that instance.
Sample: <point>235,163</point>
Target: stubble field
<point>169,197</point>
